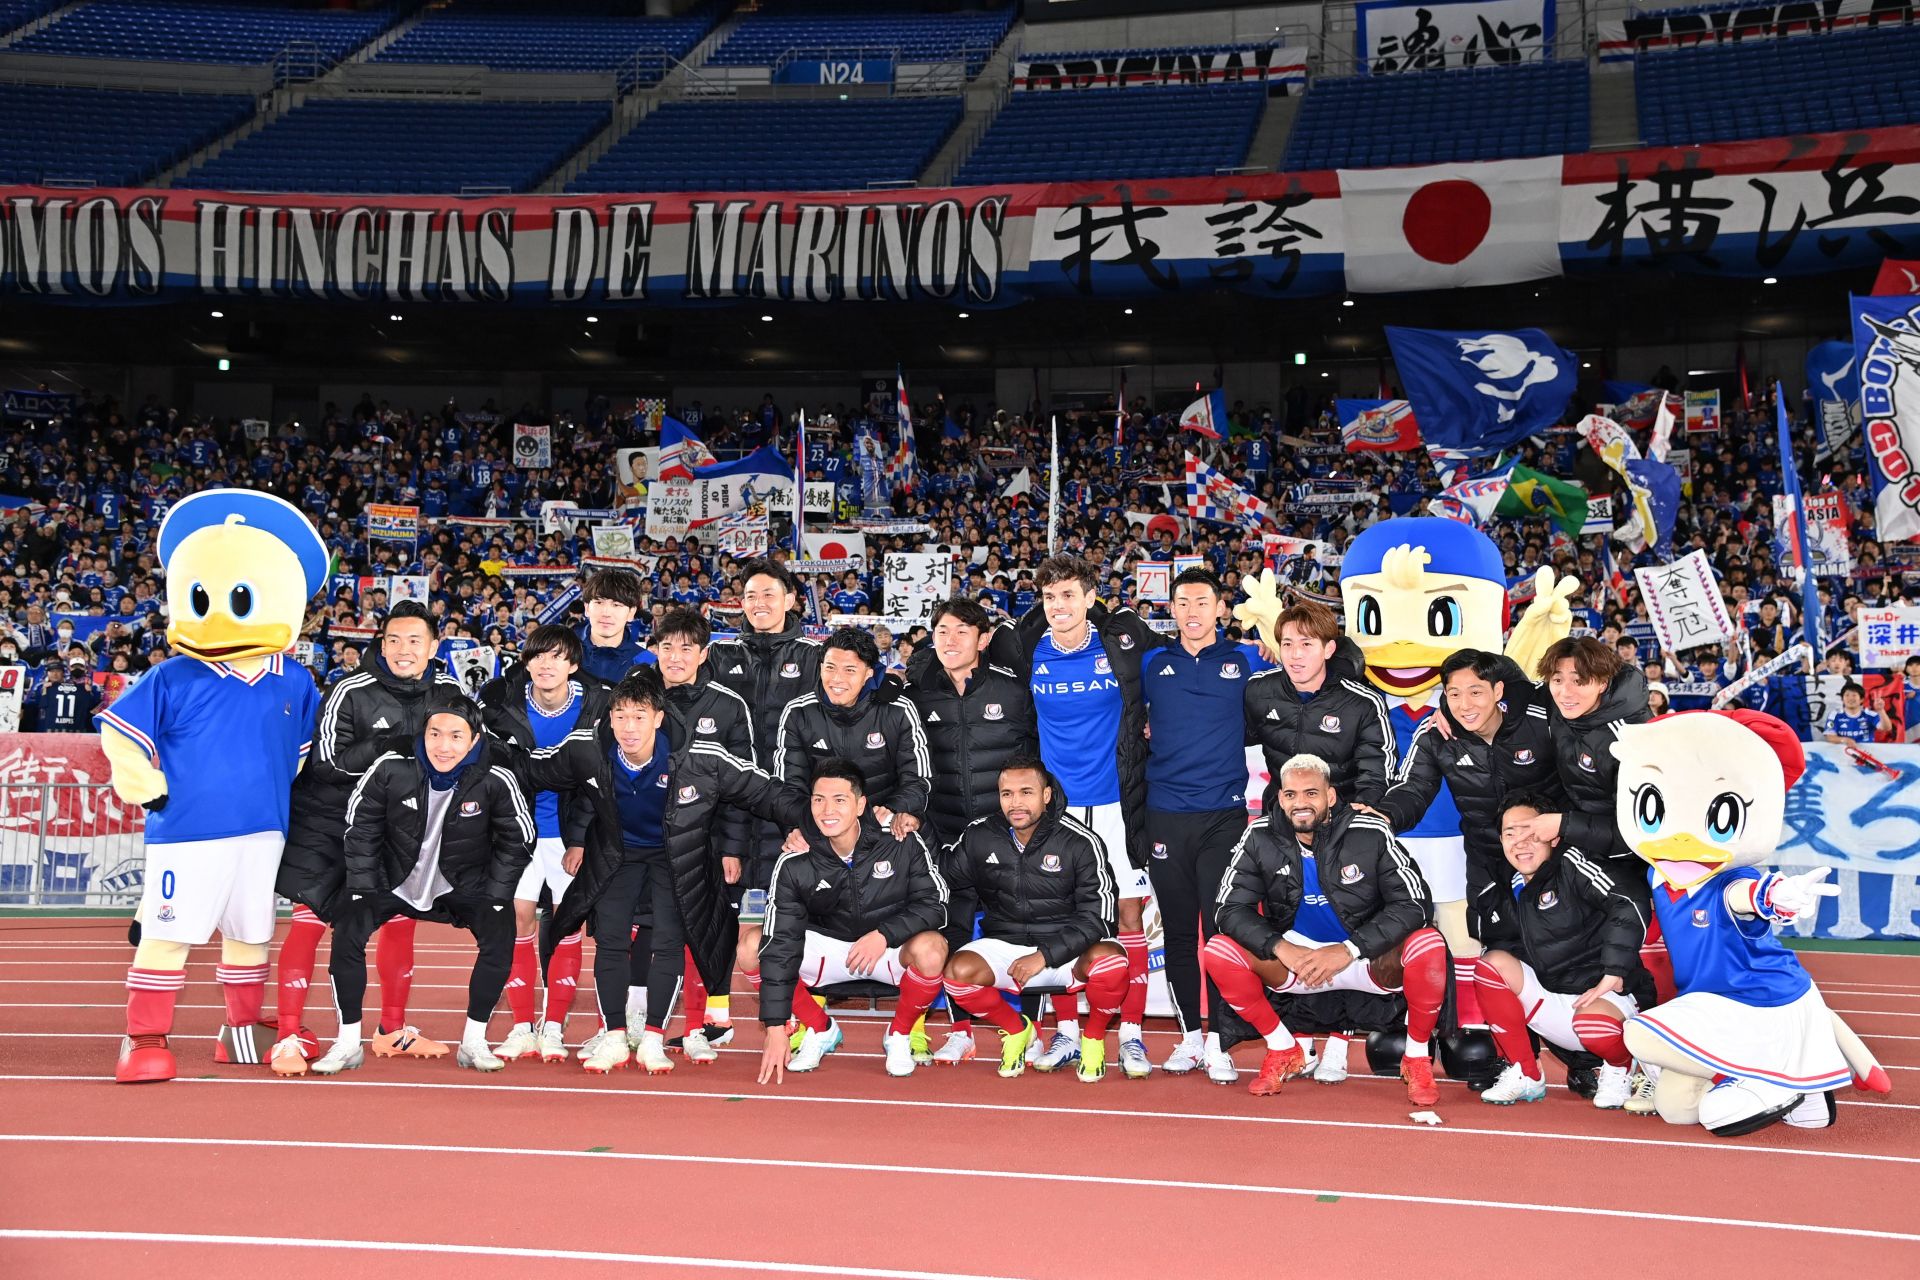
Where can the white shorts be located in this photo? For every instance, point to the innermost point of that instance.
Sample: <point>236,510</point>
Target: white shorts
<point>1551,1012</point>
<point>1000,955</point>
<point>547,853</point>
<point>1357,976</point>
<point>823,962</point>
<point>1443,864</point>
<point>194,887</point>
<point>1790,1045</point>
<point>1105,821</point>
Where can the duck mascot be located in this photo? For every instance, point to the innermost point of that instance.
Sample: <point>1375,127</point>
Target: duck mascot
<point>1748,1041</point>
<point>209,742</point>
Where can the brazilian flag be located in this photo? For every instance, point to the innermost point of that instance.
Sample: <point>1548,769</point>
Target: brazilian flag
<point>1532,494</point>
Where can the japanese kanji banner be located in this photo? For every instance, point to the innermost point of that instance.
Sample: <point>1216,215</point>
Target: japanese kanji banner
<point>1283,66</point>
<point>1817,203</point>
<point>916,583</point>
<point>1888,637</point>
<point>1688,28</point>
<point>1684,603</point>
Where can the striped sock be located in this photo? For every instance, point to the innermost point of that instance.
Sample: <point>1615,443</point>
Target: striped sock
<point>296,969</point>
<point>521,978</point>
<point>151,994</point>
<point>245,989</point>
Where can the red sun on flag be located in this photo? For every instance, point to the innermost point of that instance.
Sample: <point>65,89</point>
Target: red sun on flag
<point>1446,221</point>
<point>832,549</point>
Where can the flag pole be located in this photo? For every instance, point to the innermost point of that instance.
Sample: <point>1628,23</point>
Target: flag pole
<point>1053,493</point>
<point>800,488</point>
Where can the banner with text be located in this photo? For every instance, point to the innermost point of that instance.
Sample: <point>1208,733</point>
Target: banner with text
<point>1428,35</point>
<point>1271,65</point>
<point>1684,603</point>
<point>1680,28</point>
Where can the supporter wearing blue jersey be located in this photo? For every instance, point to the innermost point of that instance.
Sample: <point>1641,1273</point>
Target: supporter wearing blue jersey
<point>1195,691</point>
<point>1083,665</point>
<point>1854,720</point>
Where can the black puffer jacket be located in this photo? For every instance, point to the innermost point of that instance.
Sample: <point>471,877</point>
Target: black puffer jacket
<point>880,734</point>
<point>970,738</point>
<point>1127,640</point>
<point>1345,724</point>
<point>1480,774</point>
<point>1056,895</point>
<point>363,715</point>
<point>767,671</point>
<point>1380,901</point>
<point>891,886</point>
<point>503,705</point>
<point>1583,752</point>
<point>708,711</point>
<point>1576,924</point>
<point>486,837</point>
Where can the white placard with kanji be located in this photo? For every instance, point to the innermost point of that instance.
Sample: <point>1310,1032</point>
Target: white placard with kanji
<point>1684,603</point>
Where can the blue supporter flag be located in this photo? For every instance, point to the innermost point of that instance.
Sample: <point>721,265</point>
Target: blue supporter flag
<point>1635,404</point>
<point>1833,379</point>
<point>1481,392</point>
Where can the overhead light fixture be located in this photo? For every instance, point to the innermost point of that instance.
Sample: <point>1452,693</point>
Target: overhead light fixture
<point>1325,374</point>
<point>1128,311</point>
<point>1299,357</point>
<point>593,319</point>
<point>965,314</point>
<point>766,319</point>
<point>224,364</point>
<point>394,316</point>
<point>1586,364</point>
<point>1346,302</point>
<point>1771,280</point>
<point>1698,373</point>
<point>218,315</point>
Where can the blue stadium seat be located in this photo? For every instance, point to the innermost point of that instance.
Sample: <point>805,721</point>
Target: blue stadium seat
<point>775,146</point>
<point>391,147</point>
<point>1434,117</point>
<point>83,135</point>
<point>763,36</point>
<point>560,35</point>
<point>239,31</point>
<point>1759,89</point>
<point>1157,132</point>
<point>18,13</point>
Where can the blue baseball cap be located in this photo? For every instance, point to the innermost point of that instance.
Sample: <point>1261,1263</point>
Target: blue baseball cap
<point>272,515</point>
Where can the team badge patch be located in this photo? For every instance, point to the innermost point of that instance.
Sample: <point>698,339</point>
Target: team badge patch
<point>1050,862</point>
<point>706,725</point>
<point>662,782</point>
<point>1523,756</point>
<point>1586,762</point>
<point>1159,850</point>
<point>1126,642</point>
<point>1229,671</point>
<point>790,671</point>
<point>165,914</point>
<point>1699,917</point>
<point>875,742</point>
<point>1549,900</point>
<point>1350,874</point>
<point>1329,724</point>
<point>689,794</point>
<point>882,870</point>
<point>1101,667</point>
<point>470,809</point>
<point>993,711</point>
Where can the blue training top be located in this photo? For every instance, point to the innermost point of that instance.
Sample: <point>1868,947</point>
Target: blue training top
<point>1196,709</point>
<point>641,794</point>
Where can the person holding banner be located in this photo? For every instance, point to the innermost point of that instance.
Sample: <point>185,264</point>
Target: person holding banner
<point>612,599</point>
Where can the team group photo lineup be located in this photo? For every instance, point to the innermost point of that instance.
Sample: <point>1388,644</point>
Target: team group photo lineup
<point>753,592</point>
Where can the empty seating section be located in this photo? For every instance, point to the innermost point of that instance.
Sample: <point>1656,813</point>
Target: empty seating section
<point>384,146</point>
<point>1431,117</point>
<point>18,13</point>
<point>112,137</point>
<point>205,30</point>
<point>775,146</point>
<point>762,37</point>
<point>511,35</point>
<point>1765,88</point>
<point>1119,133</point>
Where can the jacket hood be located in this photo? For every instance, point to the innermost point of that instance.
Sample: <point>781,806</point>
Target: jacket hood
<point>1626,697</point>
<point>794,630</point>
<point>1348,662</point>
<point>629,646</point>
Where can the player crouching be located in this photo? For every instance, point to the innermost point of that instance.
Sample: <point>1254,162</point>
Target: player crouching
<point>856,904</point>
<point>1329,901</point>
<point>1044,882</point>
<point>442,834</point>
<point>1576,974</point>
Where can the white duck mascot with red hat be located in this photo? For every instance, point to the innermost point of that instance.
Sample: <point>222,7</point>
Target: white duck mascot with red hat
<point>1748,1041</point>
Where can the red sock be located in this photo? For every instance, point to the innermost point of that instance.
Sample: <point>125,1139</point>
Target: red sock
<point>520,978</point>
<point>1423,962</point>
<point>916,993</point>
<point>1466,998</point>
<point>245,989</point>
<point>1106,991</point>
<point>150,997</point>
<point>394,958</point>
<point>1653,955</point>
<point>1226,963</point>
<point>1506,1017</point>
<point>1134,1007</point>
<point>1602,1036</point>
<point>296,969</point>
<point>563,978</point>
<point>806,1010</point>
<point>985,1003</point>
<point>694,1005</point>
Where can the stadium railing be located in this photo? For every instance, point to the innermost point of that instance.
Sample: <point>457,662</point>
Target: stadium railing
<point>67,844</point>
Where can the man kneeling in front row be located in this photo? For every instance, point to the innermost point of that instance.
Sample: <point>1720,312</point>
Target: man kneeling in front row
<point>1045,884</point>
<point>1321,897</point>
<point>856,904</point>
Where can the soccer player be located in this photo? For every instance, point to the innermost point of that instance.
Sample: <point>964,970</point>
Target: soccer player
<point>1083,666</point>
<point>1321,897</point>
<point>439,832</point>
<point>1195,691</point>
<point>379,703</point>
<point>1045,882</point>
<point>1573,975</point>
<point>537,704</point>
<point>976,717</point>
<point>612,599</point>
<point>858,903</point>
<point>1317,701</point>
<point>850,717</point>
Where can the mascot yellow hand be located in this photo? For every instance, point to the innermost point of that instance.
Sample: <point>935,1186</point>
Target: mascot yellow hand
<point>134,778</point>
<point>1547,620</point>
<point>1262,608</point>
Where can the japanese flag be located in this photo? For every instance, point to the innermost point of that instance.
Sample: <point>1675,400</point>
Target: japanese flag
<point>836,546</point>
<point>1441,226</point>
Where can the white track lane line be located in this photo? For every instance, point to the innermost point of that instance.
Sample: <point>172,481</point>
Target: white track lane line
<point>1008,1175</point>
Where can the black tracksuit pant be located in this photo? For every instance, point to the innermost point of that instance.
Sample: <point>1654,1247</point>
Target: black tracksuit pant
<point>642,878</point>
<point>489,921</point>
<point>1189,854</point>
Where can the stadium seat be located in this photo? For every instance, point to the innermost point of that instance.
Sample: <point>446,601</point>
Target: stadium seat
<point>82,135</point>
<point>561,35</point>
<point>237,31</point>
<point>775,146</point>
<point>1433,117</point>
<point>847,26</point>
<point>15,14</point>
<point>1156,132</point>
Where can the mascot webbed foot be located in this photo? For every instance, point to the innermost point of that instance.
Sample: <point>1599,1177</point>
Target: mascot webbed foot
<point>144,1060</point>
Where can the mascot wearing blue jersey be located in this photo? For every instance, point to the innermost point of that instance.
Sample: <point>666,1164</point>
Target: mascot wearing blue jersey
<point>209,742</point>
<point>1748,1041</point>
